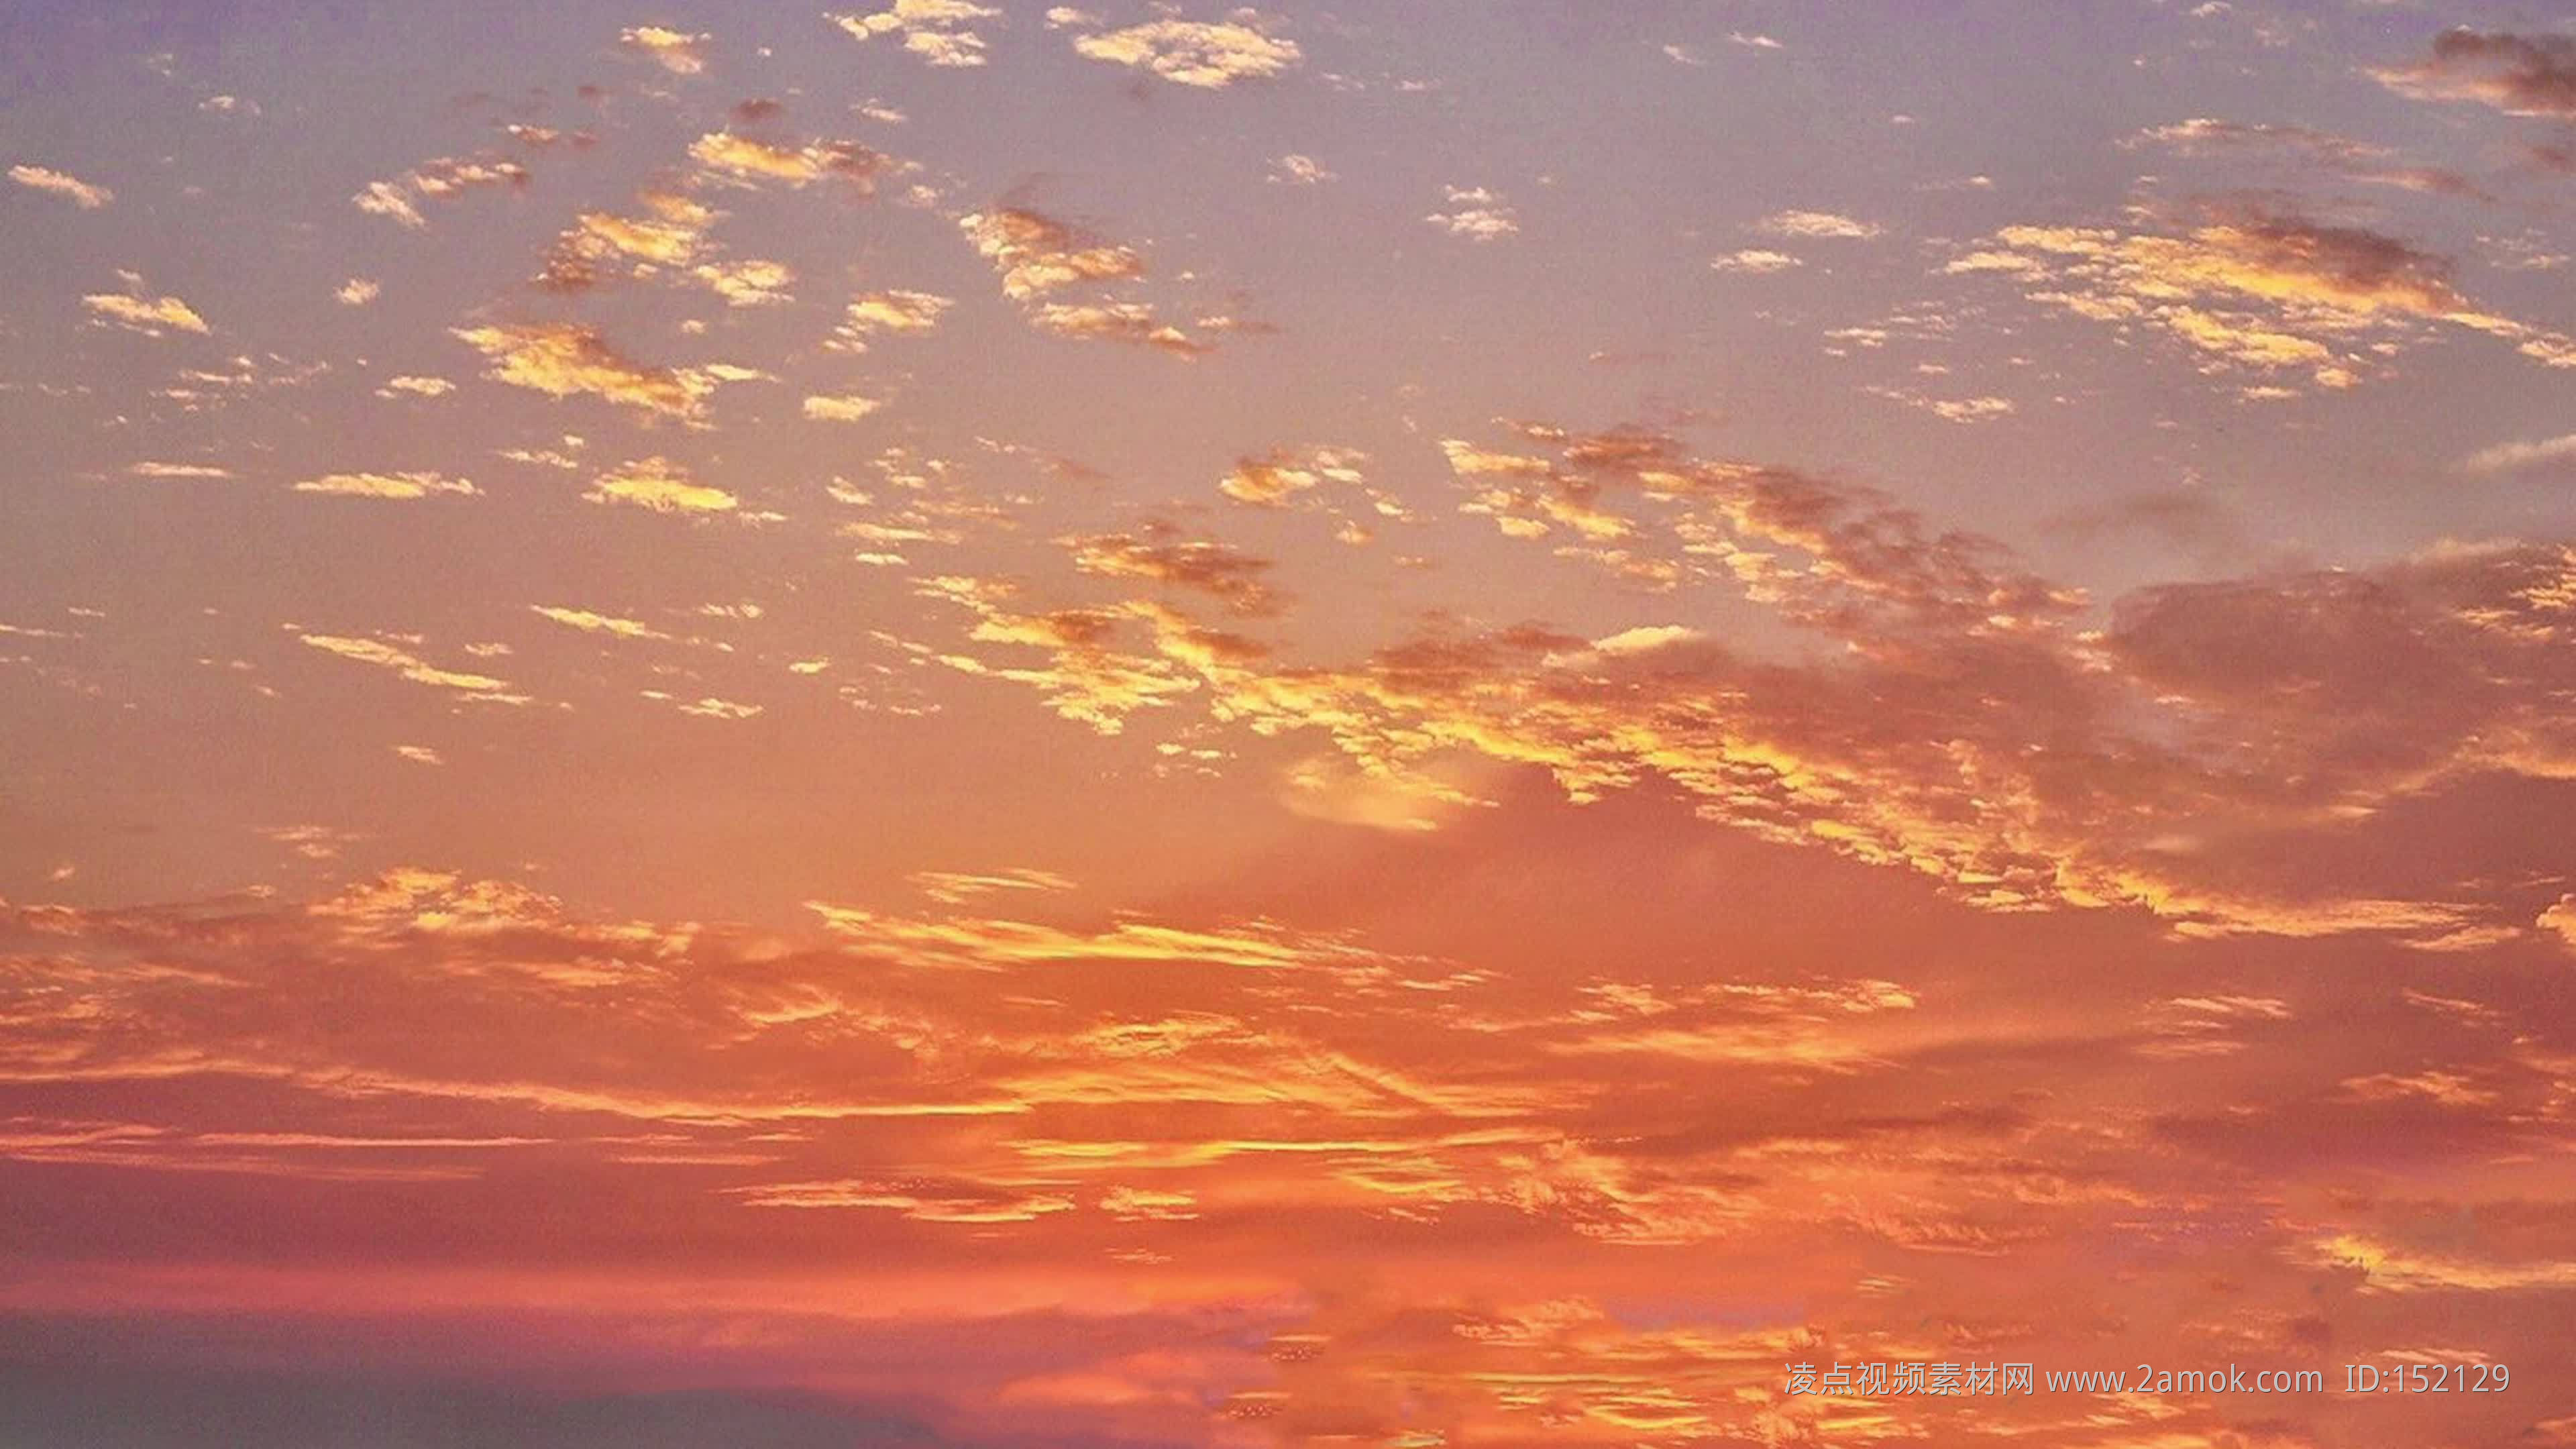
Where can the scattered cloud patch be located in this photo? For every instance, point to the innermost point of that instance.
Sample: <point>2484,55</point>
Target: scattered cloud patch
<point>840,408</point>
<point>2523,75</point>
<point>1298,169</point>
<point>151,316</point>
<point>1827,225</point>
<point>1476,214</point>
<point>398,486</point>
<point>1755,261</point>
<point>1197,53</point>
<point>660,485</point>
<point>1036,253</point>
<point>564,359</point>
<point>676,51</point>
<point>63,184</point>
<point>934,30</point>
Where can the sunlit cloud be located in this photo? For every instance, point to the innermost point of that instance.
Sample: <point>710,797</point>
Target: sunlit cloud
<point>843,408</point>
<point>1160,555</point>
<point>410,666</point>
<point>1479,215</point>
<point>1644,777</point>
<point>898,312</point>
<point>2524,75</point>
<point>676,51</point>
<point>566,359</point>
<point>1130,322</point>
<point>1827,225</point>
<point>63,184</point>
<point>406,485</point>
<point>2255,290</point>
<point>1298,169</point>
<point>441,179</point>
<point>151,316</point>
<point>1193,53</point>
<point>158,469</point>
<point>2514,457</point>
<point>1754,260</point>
<point>1037,254</point>
<point>592,622</point>
<point>938,31</point>
<point>660,485</point>
<point>750,159</point>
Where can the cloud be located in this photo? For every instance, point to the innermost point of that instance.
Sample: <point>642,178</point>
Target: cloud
<point>1129,322</point>
<point>410,386</point>
<point>1754,260</point>
<point>1231,577</point>
<point>151,316</point>
<point>2523,75</point>
<point>390,201</point>
<point>1299,170</point>
<point>2205,135</point>
<point>2560,920</point>
<point>410,666</point>
<point>956,888</point>
<point>439,179</point>
<point>591,622</point>
<point>2253,289</point>
<point>1193,53</point>
<point>748,283</point>
<point>1286,473</point>
<point>387,485</point>
<point>661,485</point>
<point>1003,944</point>
<point>676,51</point>
<point>1102,1095</point>
<point>564,359</point>
<point>1037,254</point>
<point>2304,147</point>
<point>177,470</point>
<point>2514,457</point>
<point>918,1201</point>
<point>1979,409</point>
<point>2214,716</point>
<point>358,292</point>
<point>747,158</point>
<point>935,30</point>
<point>1324,480</point>
<point>896,311</point>
<point>1817,224</point>
<point>1479,215</point>
<point>71,188</point>
<point>844,408</point>
<point>671,237</point>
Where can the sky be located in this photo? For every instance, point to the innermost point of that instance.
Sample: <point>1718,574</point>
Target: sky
<point>1464,723</point>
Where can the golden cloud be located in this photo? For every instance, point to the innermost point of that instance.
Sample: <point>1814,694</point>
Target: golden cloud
<point>660,485</point>
<point>564,359</point>
<point>1208,55</point>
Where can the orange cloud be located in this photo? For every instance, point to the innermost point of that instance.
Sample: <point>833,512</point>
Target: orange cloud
<point>565,359</point>
<point>1206,55</point>
<point>660,485</point>
<point>63,184</point>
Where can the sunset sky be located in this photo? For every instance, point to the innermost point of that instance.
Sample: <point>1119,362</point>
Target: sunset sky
<point>1399,725</point>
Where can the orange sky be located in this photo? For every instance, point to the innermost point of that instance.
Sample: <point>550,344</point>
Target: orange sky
<point>1442,725</point>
